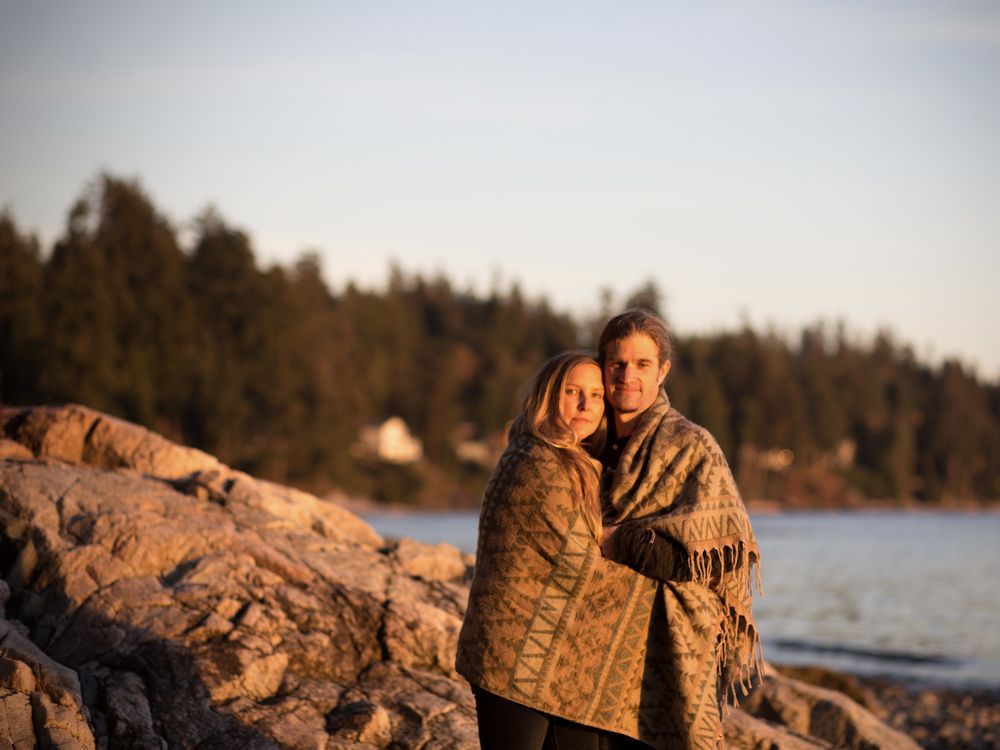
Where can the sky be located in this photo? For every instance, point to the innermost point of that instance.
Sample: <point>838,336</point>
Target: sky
<point>771,163</point>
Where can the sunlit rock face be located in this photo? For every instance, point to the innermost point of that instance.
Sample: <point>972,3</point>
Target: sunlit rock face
<point>156,598</point>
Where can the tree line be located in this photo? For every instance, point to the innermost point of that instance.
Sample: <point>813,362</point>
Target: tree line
<point>274,373</point>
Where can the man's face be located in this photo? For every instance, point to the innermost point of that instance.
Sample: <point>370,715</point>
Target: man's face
<point>633,374</point>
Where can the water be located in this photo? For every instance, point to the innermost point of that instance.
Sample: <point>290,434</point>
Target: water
<point>912,595</point>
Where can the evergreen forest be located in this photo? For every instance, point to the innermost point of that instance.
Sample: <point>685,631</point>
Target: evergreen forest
<point>277,375</point>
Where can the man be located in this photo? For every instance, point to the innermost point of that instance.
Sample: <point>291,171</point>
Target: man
<point>673,513</point>
<point>635,352</point>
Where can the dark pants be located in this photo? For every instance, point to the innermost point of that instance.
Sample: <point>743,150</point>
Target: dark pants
<point>505,725</point>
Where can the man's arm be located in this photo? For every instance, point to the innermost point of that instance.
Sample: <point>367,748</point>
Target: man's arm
<point>642,549</point>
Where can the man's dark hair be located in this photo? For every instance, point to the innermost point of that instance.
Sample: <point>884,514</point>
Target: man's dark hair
<point>633,321</point>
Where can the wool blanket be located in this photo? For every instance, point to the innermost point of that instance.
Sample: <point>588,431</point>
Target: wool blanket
<point>553,625</point>
<point>672,478</point>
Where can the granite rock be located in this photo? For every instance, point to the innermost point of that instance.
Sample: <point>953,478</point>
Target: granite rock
<point>822,713</point>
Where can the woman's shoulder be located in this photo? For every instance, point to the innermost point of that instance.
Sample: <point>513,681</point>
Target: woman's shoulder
<point>530,458</point>
<point>528,465</point>
<point>528,449</point>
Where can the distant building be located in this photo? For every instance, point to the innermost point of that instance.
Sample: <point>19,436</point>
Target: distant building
<point>390,441</point>
<point>845,453</point>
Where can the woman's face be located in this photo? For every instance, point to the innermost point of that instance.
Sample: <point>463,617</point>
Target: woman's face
<point>581,404</point>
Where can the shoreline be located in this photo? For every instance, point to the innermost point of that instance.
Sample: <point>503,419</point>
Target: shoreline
<point>361,506</point>
<point>968,507</point>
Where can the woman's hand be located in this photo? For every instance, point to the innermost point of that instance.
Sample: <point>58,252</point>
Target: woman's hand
<point>608,533</point>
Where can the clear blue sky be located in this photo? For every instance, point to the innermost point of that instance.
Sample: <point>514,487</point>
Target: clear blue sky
<point>776,162</point>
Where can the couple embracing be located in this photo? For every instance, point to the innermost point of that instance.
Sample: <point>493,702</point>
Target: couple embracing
<point>610,606</point>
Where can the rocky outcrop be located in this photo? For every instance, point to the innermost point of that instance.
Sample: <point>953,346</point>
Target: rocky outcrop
<point>821,713</point>
<point>157,598</point>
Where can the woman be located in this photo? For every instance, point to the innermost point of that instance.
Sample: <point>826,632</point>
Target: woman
<point>538,552</point>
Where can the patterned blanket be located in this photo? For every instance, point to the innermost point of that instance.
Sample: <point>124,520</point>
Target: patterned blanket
<point>673,478</point>
<point>554,625</point>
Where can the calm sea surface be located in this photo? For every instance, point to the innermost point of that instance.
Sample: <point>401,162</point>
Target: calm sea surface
<point>907,594</point>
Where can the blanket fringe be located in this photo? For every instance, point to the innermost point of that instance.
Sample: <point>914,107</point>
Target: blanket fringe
<point>732,569</point>
<point>715,562</point>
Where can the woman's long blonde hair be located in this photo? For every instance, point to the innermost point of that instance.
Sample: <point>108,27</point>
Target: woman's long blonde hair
<point>540,418</point>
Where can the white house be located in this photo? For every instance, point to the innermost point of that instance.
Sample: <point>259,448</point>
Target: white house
<point>391,441</point>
